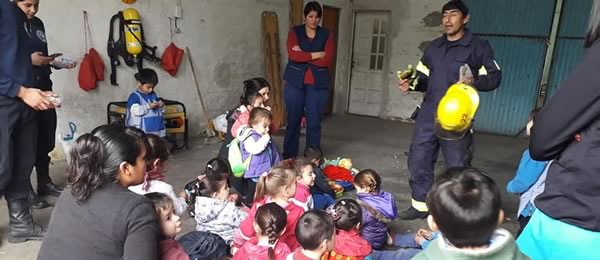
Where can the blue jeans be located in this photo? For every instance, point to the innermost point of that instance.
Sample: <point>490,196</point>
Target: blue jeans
<point>400,254</point>
<point>305,100</point>
<point>322,201</point>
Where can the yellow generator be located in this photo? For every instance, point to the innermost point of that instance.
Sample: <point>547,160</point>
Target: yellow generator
<point>176,122</point>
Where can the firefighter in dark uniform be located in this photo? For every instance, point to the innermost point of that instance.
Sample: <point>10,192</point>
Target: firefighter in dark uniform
<point>46,119</point>
<point>438,69</point>
<point>18,128</point>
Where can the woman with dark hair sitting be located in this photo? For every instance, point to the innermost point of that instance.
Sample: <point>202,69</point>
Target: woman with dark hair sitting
<point>97,217</point>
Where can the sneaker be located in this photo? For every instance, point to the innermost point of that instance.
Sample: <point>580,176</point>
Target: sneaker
<point>412,213</point>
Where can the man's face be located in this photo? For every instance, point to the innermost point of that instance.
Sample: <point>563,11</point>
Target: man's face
<point>453,21</point>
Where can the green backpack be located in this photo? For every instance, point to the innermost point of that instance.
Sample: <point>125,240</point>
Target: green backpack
<point>238,166</point>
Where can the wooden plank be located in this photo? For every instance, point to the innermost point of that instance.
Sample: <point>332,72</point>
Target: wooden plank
<point>296,12</point>
<point>331,18</point>
<point>272,55</point>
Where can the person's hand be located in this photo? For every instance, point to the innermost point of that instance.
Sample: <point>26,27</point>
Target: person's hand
<point>466,81</point>
<point>39,59</point>
<point>267,108</point>
<point>160,103</point>
<point>183,195</point>
<point>423,235</point>
<point>403,85</point>
<point>154,105</point>
<point>317,55</point>
<point>296,48</point>
<point>35,98</point>
<point>233,197</point>
<point>71,66</point>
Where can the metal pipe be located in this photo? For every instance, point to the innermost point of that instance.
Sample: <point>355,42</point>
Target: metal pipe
<point>550,54</point>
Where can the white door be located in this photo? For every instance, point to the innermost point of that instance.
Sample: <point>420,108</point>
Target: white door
<point>368,61</point>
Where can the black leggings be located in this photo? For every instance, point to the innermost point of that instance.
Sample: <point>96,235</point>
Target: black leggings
<point>246,187</point>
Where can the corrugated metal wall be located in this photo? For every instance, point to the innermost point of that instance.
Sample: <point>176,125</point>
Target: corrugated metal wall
<point>569,46</point>
<point>518,31</point>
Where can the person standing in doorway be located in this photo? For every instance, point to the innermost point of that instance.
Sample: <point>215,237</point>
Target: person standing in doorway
<point>436,72</point>
<point>310,49</point>
<point>18,130</point>
<point>46,119</point>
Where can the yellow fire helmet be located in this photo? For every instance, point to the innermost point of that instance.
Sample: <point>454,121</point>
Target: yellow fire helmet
<point>456,111</point>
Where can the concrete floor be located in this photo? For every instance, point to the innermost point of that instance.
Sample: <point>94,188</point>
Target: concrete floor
<point>371,143</point>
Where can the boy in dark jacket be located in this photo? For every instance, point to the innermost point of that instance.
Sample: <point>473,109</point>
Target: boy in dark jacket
<point>323,195</point>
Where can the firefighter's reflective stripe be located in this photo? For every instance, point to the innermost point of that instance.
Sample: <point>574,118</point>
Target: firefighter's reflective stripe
<point>423,69</point>
<point>420,206</point>
<point>483,71</point>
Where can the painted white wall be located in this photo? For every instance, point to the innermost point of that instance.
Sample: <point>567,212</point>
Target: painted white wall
<point>226,43</point>
<point>408,31</point>
<point>224,37</point>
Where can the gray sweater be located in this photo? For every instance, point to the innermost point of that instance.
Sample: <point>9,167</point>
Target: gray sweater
<point>113,223</point>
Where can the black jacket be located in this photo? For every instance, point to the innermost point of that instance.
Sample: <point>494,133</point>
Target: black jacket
<point>113,223</point>
<point>572,193</point>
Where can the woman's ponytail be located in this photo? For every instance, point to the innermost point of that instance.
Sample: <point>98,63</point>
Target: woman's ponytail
<point>85,168</point>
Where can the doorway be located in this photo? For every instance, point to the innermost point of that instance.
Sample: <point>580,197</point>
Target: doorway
<point>331,19</point>
<point>368,63</point>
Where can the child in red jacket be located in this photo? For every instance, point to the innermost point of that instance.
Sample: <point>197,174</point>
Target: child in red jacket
<point>169,227</point>
<point>269,224</point>
<point>306,179</point>
<point>347,215</point>
<point>278,186</point>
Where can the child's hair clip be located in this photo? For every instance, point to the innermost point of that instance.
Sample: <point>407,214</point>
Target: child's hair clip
<point>265,174</point>
<point>333,213</point>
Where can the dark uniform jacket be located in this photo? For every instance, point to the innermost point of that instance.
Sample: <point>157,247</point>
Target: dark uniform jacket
<point>15,61</point>
<point>439,67</point>
<point>568,129</point>
<point>41,74</point>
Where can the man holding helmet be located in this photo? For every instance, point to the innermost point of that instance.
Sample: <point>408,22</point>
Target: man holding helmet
<point>446,122</point>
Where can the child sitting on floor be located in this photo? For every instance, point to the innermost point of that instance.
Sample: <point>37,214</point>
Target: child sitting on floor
<point>279,186</point>
<point>306,179</point>
<point>269,224</point>
<point>465,206</point>
<point>379,207</point>
<point>347,215</point>
<point>158,157</point>
<point>170,225</point>
<point>214,212</point>
<point>315,232</point>
<point>323,195</point>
